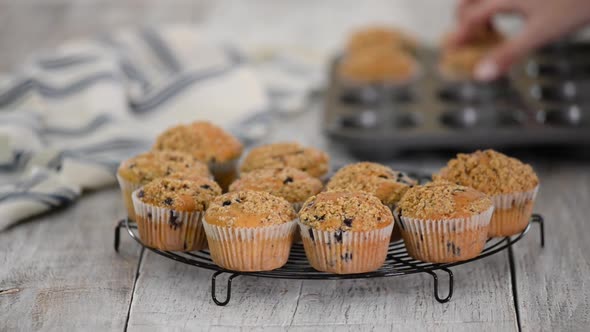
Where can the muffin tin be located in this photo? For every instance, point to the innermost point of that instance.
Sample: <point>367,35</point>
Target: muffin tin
<point>543,102</point>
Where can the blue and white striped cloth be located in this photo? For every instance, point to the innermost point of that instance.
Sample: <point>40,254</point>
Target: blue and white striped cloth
<point>69,116</point>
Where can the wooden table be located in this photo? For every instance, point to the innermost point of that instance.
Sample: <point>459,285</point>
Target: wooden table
<point>60,272</point>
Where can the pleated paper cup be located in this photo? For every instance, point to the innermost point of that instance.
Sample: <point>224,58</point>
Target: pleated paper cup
<point>127,189</point>
<point>345,252</point>
<point>167,229</point>
<point>224,173</point>
<point>445,241</point>
<point>250,249</point>
<point>512,212</point>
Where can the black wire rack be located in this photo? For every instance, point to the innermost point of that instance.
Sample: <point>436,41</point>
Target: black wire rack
<point>398,262</point>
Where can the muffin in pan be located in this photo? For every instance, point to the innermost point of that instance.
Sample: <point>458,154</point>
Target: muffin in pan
<point>250,230</point>
<point>345,232</point>
<point>169,212</point>
<point>511,184</point>
<point>142,169</point>
<point>442,222</point>
<point>289,154</point>
<point>378,66</point>
<point>293,185</point>
<point>376,179</point>
<point>207,143</point>
<point>380,36</point>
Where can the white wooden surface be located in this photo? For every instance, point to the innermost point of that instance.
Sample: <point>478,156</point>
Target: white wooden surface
<point>59,272</point>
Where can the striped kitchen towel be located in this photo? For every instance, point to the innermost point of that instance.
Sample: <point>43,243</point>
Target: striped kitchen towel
<point>69,116</point>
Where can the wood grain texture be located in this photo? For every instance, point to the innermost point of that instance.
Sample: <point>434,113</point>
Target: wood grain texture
<point>60,272</point>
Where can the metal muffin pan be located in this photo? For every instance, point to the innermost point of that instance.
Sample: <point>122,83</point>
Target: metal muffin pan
<point>544,102</point>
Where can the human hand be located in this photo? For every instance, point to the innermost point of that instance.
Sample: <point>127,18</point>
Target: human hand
<point>545,21</point>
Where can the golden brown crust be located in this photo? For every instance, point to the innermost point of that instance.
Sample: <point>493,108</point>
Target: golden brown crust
<point>205,141</point>
<point>249,209</point>
<point>289,183</point>
<point>346,211</point>
<point>442,200</point>
<point>148,166</point>
<point>379,36</point>
<point>490,172</point>
<point>180,195</point>
<point>376,179</point>
<point>378,65</point>
<point>278,155</point>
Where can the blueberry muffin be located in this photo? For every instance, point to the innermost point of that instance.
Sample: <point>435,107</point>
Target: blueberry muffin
<point>250,231</point>
<point>287,182</point>
<point>207,143</point>
<point>142,169</point>
<point>307,159</point>
<point>511,184</point>
<point>442,222</point>
<point>376,179</point>
<point>345,232</point>
<point>169,212</point>
<point>379,36</point>
<point>383,66</point>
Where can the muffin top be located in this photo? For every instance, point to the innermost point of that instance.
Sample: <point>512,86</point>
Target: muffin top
<point>310,160</point>
<point>179,195</point>
<point>289,183</point>
<point>490,172</point>
<point>388,185</point>
<point>442,200</point>
<point>249,209</point>
<point>346,211</point>
<point>379,36</point>
<point>378,65</point>
<point>205,141</point>
<point>148,166</point>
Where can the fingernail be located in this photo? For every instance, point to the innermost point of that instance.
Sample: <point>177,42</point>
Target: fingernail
<point>487,70</point>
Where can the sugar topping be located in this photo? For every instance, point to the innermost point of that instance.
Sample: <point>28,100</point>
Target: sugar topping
<point>148,166</point>
<point>490,172</point>
<point>346,211</point>
<point>249,209</point>
<point>180,195</point>
<point>442,200</point>
<point>388,185</point>
<point>379,36</point>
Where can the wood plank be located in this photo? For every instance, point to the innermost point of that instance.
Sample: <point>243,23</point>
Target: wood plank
<point>60,272</point>
<point>553,289</point>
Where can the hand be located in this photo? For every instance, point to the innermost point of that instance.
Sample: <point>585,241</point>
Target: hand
<point>545,21</point>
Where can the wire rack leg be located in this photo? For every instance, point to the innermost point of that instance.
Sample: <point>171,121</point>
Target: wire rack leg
<point>436,288</point>
<point>537,218</point>
<point>120,225</point>
<point>228,289</point>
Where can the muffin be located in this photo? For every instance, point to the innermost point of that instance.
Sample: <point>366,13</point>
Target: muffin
<point>307,159</point>
<point>169,212</point>
<point>459,62</point>
<point>511,184</point>
<point>378,65</point>
<point>442,222</point>
<point>376,179</point>
<point>143,168</point>
<point>293,185</point>
<point>250,231</point>
<point>209,144</point>
<point>379,36</point>
<point>345,232</point>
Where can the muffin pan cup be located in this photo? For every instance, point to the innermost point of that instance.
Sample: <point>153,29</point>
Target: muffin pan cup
<point>345,252</point>
<point>250,249</point>
<point>447,240</point>
<point>167,229</point>
<point>512,212</point>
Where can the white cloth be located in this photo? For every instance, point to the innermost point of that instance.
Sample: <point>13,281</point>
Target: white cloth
<point>68,117</point>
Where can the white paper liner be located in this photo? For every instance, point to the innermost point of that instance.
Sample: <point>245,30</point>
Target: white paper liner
<point>127,188</point>
<point>512,213</point>
<point>250,249</point>
<point>166,229</point>
<point>445,241</point>
<point>345,252</point>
